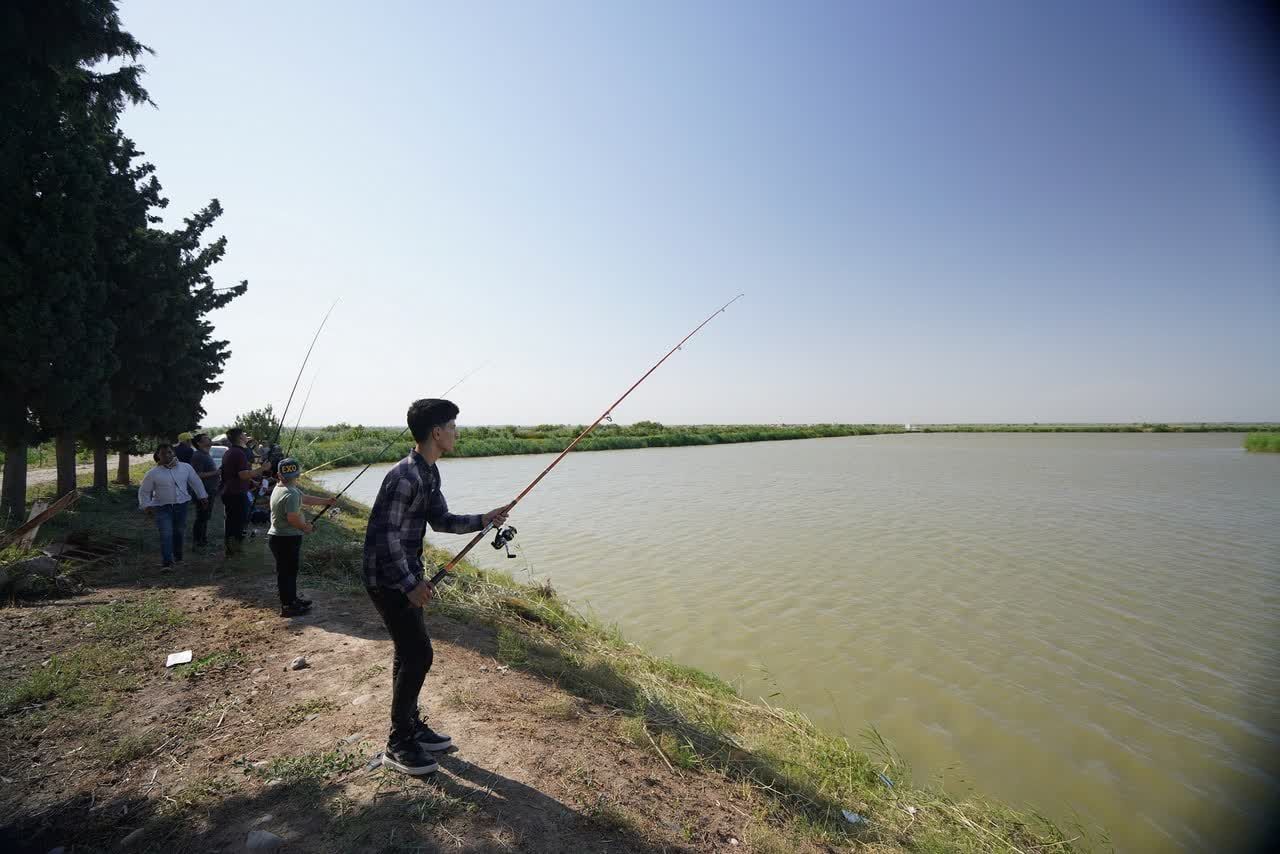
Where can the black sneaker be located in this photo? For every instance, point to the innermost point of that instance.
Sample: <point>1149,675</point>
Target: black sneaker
<point>294,609</point>
<point>299,600</point>
<point>430,739</point>
<point>409,757</point>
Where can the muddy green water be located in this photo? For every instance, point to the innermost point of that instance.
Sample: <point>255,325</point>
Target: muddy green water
<point>1074,623</point>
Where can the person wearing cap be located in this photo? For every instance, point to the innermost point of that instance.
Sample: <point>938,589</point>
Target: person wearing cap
<point>183,450</point>
<point>285,537</point>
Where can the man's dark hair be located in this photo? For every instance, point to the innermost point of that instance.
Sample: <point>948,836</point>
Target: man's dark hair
<point>160,446</point>
<point>429,413</point>
<point>198,438</point>
<point>234,434</point>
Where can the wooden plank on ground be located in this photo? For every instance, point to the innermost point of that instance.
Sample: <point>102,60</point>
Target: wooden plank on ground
<point>48,513</point>
<point>29,538</point>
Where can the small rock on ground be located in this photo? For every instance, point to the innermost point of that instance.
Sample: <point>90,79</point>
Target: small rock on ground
<point>262,840</point>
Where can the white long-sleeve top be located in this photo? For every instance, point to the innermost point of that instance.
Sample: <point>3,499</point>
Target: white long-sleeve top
<point>174,485</point>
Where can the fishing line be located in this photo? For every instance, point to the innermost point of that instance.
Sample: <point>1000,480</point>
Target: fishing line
<point>502,533</point>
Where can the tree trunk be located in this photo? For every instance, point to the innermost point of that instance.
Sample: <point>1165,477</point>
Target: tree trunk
<point>122,471</point>
<point>13,498</point>
<point>65,451</point>
<point>100,465</point>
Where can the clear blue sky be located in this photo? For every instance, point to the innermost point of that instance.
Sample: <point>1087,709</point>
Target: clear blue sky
<point>973,211</point>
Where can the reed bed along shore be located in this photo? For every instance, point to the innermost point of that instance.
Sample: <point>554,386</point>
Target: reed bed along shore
<point>1263,442</point>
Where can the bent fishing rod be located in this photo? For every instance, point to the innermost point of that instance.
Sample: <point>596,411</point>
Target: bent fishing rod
<point>385,447</point>
<point>301,412</point>
<point>296,379</point>
<point>505,535</point>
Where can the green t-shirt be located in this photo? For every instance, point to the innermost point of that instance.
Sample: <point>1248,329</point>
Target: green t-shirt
<point>284,500</point>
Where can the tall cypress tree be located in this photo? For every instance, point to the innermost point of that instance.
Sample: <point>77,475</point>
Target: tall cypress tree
<point>103,333</point>
<point>55,343</point>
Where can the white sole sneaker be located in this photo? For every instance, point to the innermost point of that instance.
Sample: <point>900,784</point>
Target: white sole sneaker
<point>412,770</point>
<point>436,746</point>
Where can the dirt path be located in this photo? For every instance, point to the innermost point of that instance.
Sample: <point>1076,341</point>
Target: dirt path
<point>163,761</point>
<point>49,475</point>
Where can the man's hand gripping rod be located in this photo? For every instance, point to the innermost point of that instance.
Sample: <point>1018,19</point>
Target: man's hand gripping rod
<point>448,567</point>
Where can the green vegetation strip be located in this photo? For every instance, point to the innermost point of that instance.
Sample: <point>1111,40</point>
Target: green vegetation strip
<point>1262,442</point>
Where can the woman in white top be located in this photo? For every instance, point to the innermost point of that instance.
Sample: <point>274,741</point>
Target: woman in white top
<point>165,493</point>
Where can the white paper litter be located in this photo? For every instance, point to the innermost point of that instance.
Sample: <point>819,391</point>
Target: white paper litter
<point>852,817</point>
<point>183,657</point>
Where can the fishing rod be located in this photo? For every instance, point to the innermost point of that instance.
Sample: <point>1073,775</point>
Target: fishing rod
<point>505,535</point>
<point>296,379</point>
<point>301,412</point>
<point>328,463</point>
<point>316,518</point>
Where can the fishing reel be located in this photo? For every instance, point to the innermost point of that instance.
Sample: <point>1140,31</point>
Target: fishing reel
<point>502,538</point>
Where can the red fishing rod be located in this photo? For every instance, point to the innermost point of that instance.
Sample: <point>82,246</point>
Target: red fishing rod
<point>503,536</point>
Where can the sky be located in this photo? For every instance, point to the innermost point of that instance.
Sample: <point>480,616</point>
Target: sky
<point>937,212</point>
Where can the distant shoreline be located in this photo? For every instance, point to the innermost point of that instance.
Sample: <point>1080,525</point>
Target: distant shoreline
<point>344,446</point>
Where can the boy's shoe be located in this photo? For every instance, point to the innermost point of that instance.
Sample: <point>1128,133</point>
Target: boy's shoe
<point>299,600</point>
<point>294,609</point>
<point>409,757</point>
<point>429,738</point>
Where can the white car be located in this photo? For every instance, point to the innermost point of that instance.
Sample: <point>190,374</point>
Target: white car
<point>216,452</point>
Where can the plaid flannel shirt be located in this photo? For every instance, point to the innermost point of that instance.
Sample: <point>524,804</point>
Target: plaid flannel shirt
<point>408,500</point>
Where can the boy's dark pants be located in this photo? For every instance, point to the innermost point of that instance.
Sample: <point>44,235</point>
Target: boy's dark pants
<point>413,657</point>
<point>288,554</point>
<point>236,515</point>
<point>200,530</point>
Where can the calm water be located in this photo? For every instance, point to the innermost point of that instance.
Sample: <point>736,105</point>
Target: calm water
<point>1069,622</point>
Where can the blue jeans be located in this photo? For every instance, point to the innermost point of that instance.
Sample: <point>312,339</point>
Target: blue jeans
<point>171,519</point>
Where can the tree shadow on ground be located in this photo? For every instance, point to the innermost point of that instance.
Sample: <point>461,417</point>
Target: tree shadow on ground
<point>464,807</point>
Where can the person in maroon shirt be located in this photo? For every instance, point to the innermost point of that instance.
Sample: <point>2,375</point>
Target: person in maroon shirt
<point>237,480</point>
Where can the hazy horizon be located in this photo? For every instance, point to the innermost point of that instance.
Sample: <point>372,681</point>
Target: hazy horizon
<point>461,423</point>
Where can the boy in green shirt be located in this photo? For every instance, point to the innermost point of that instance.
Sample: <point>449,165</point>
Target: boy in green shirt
<point>285,537</point>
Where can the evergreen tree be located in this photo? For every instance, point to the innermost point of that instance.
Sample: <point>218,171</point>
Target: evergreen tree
<point>55,344</point>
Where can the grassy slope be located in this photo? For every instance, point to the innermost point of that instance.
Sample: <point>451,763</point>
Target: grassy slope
<point>698,721</point>
<point>695,721</point>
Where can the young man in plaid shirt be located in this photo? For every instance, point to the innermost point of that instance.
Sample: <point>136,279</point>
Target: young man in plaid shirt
<point>409,500</point>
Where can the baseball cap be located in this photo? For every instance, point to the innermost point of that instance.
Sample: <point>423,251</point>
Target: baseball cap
<point>288,468</point>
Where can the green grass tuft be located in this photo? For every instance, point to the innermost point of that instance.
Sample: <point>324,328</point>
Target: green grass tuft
<point>120,620</point>
<point>309,767</point>
<point>1262,442</point>
<point>130,747</point>
<point>298,712</point>
<point>73,679</point>
<point>214,662</point>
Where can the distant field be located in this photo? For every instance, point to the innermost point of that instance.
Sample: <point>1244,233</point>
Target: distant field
<point>344,444</point>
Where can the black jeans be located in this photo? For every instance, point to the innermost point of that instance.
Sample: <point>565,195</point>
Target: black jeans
<point>413,656</point>
<point>200,530</point>
<point>236,515</point>
<point>288,554</point>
